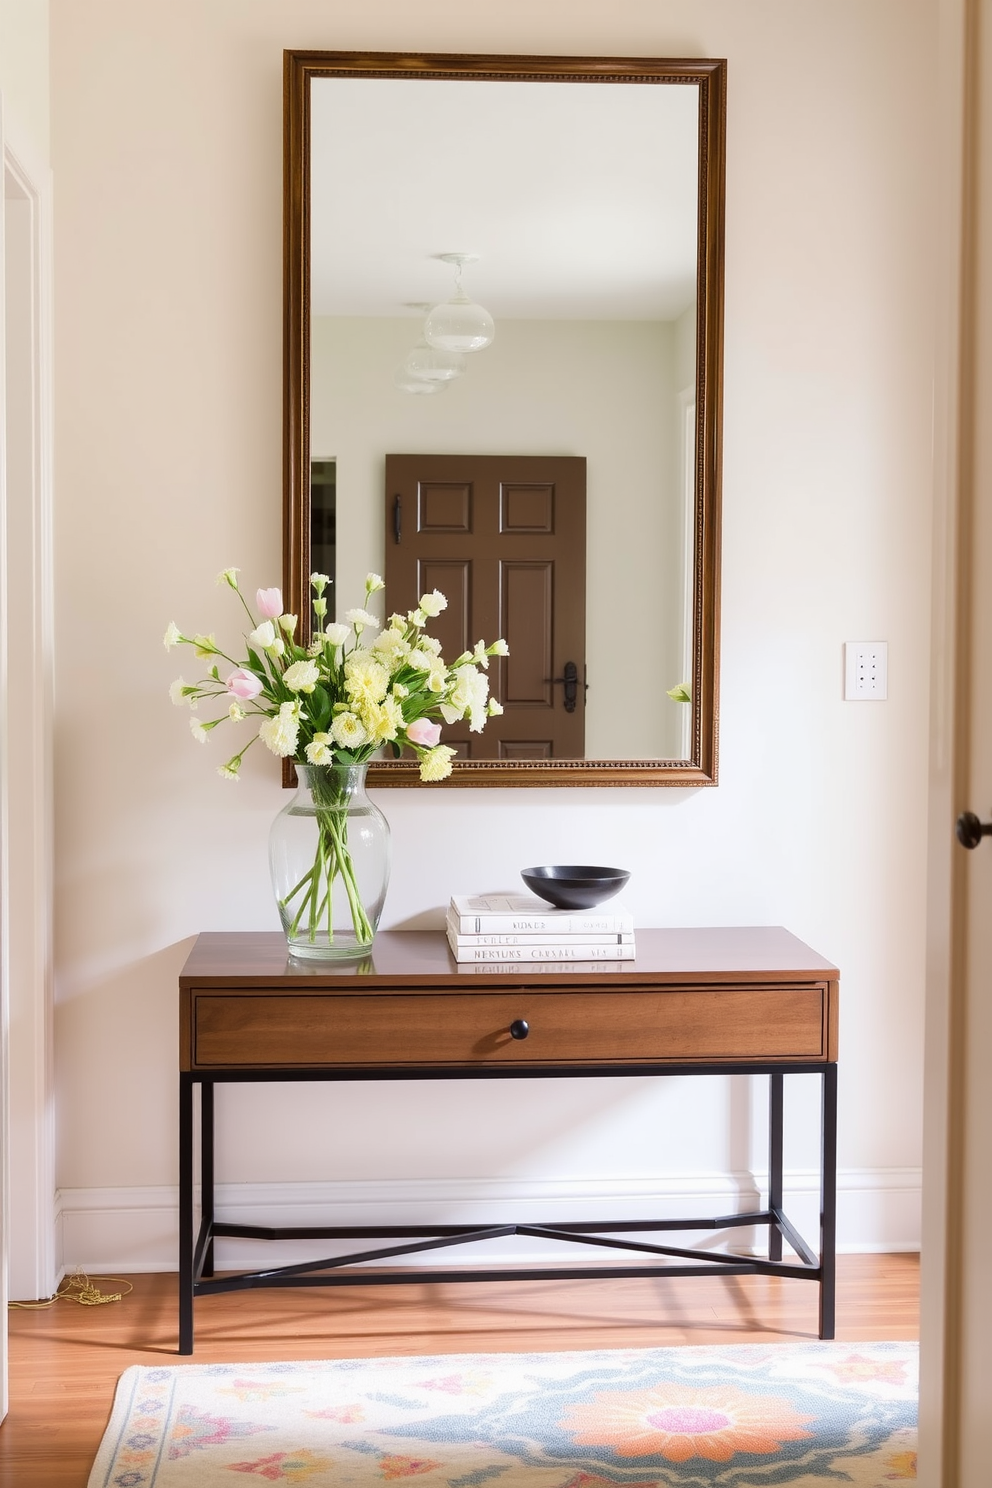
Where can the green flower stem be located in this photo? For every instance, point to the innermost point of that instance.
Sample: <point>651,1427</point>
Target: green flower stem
<point>332,860</point>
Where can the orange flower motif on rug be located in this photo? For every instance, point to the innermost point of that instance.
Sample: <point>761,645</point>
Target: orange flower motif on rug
<point>405,1467</point>
<point>683,1421</point>
<point>904,1464</point>
<point>891,1371</point>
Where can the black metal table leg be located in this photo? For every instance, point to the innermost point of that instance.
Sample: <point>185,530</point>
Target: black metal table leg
<point>828,1202</point>
<point>185,1214</point>
<point>207,1169</point>
<point>776,1113</point>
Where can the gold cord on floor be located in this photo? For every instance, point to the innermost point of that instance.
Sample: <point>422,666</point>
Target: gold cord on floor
<point>81,1289</point>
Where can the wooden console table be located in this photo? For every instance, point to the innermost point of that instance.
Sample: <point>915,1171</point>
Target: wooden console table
<point>713,1001</point>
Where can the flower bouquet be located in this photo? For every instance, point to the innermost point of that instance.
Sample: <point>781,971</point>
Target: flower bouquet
<point>330,707</point>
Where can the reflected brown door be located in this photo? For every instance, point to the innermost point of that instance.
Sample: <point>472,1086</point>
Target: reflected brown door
<point>504,537</point>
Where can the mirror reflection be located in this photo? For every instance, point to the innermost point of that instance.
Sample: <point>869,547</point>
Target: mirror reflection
<point>551,477</point>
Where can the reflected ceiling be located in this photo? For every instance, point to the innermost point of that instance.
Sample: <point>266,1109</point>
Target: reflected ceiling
<point>580,201</point>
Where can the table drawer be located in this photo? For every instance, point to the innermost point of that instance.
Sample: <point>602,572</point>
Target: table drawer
<point>267,1030</point>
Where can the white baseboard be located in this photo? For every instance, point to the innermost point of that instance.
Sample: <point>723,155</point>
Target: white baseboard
<point>136,1229</point>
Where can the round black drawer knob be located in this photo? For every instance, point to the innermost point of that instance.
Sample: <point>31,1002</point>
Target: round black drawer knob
<point>519,1029</point>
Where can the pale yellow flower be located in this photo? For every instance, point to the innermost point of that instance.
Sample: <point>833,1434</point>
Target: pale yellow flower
<point>173,636</point>
<point>318,752</point>
<point>198,730</point>
<point>436,763</point>
<point>366,679</point>
<point>349,731</point>
<point>229,576</point>
<point>383,720</point>
<point>337,634</point>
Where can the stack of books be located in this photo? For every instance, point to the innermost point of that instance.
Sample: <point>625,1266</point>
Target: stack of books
<point>521,927</point>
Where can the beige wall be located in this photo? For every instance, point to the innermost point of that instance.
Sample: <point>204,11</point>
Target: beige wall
<point>167,150</point>
<point>605,390</point>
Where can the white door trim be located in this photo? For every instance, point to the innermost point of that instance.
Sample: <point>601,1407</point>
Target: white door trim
<point>26,706</point>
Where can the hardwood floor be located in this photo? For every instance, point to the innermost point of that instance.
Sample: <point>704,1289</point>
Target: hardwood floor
<point>65,1361</point>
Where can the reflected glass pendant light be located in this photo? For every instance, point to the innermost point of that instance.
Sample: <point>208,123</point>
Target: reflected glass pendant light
<point>407,383</point>
<point>459,324</point>
<point>433,364</point>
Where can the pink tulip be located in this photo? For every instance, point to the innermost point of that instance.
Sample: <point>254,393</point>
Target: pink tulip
<point>422,731</point>
<point>269,602</point>
<point>243,685</point>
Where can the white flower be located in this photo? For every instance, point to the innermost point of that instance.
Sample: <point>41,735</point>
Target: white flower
<point>230,770</point>
<point>181,694</point>
<point>480,655</point>
<point>319,582</point>
<point>229,576</point>
<point>436,763</point>
<point>432,604</point>
<point>417,618</point>
<point>337,634</point>
<point>281,732</point>
<point>318,752</point>
<point>198,730</point>
<point>302,676</point>
<point>172,635</point>
<point>235,712</point>
<point>467,698</point>
<point>206,645</point>
<point>373,583</point>
<point>316,646</point>
<point>361,619</point>
<point>493,708</point>
<point>349,731</point>
<point>499,648</point>
<point>288,623</point>
<point>263,636</point>
<point>392,648</point>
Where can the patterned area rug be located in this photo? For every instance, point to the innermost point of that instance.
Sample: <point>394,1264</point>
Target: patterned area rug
<point>737,1417</point>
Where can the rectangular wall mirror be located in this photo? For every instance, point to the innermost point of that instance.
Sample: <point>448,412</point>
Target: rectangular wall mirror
<point>561,484</point>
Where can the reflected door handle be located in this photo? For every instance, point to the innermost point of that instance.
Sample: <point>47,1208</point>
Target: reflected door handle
<point>970,830</point>
<point>570,678</point>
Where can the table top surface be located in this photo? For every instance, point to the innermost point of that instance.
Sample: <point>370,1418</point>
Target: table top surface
<point>759,953</point>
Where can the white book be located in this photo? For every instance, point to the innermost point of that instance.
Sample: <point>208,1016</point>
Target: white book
<point>572,950</point>
<point>537,938</point>
<point>508,914</point>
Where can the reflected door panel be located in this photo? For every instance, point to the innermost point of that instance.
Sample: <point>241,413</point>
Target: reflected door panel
<point>504,539</point>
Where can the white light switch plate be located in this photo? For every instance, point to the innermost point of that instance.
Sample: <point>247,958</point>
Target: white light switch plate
<point>866,671</point>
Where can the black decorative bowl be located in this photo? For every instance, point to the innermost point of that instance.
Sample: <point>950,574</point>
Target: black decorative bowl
<point>574,885</point>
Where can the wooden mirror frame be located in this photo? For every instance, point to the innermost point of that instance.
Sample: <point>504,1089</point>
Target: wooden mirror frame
<point>300,69</point>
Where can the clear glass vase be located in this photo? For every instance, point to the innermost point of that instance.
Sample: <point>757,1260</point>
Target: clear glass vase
<point>329,857</point>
